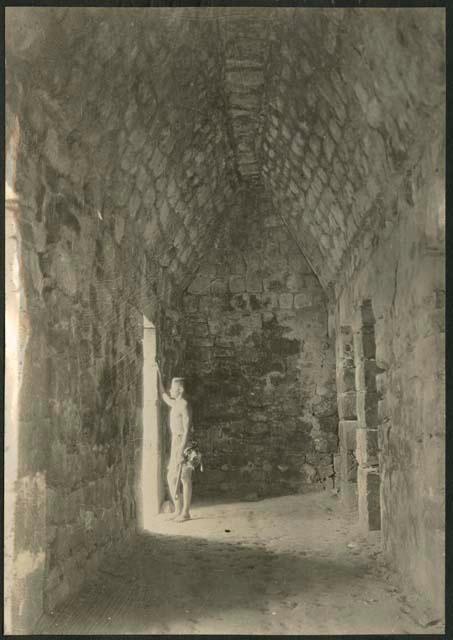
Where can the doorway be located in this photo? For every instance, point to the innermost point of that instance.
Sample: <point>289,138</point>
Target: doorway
<point>151,468</point>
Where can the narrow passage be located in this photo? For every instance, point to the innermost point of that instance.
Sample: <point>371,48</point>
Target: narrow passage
<point>291,565</point>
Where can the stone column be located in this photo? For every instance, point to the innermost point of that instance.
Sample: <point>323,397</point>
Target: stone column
<point>368,476</point>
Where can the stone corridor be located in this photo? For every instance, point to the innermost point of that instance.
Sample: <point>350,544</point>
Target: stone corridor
<point>261,193</point>
<point>293,565</point>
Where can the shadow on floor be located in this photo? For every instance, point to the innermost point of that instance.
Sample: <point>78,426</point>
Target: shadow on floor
<point>161,579</point>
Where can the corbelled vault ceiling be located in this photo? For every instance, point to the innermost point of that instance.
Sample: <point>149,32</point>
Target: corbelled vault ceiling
<point>327,110</point>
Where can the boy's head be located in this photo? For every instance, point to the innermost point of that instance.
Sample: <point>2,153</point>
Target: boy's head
<point>177,387</point>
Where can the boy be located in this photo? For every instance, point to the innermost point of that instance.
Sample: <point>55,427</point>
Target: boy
<point>183,459</point>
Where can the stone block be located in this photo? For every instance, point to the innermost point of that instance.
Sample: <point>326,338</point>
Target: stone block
<point>335,130</point>
<point>347,433</point>
<point>328,423</point>
<point>369,343</point>
<point>254,283</point>
<point>165,216</point>
<point>134,203</point>
<point>381,381</point>
<point>274,283</point>
<point>286,301</point>
<point>269,300</point>
<point>208,269</point>
<point>345,341</point>
<point>237,284</point>
<point>367,409</point>
<point>383,410</point>
<point>157,163</point>
<point>327,442</point>
<point>347,362</point>
<point>200,285</point>
<point>314,144</point>
<point>219,287</point>
<point>364,344</point>
<point>255,300</point>
<point>365,375</point>
<point>368,489</point>
<point>302,300</point>
<point>348,465</point>
<point>383,435</point>
<point>295,281</point>
<point>239,302</point>
<point>199,329</point>
<point>366,314</point>
<point>367,452</point>
<point>346,379</point>
<point>347,406</point>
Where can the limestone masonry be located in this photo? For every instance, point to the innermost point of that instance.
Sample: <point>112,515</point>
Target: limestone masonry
<point>267,187</point>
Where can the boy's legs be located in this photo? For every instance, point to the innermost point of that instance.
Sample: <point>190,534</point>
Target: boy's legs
<point>172,477</point>
<point>186,479</point>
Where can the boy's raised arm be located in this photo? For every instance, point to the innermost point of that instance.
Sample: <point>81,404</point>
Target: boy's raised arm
<point>165,397</point>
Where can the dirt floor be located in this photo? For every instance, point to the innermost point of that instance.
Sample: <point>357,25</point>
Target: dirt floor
<point>291,565</point>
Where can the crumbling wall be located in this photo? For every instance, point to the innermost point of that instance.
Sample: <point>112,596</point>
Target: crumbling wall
<point>115,203</point>
<point>124,177</point>
<point>259,363</point>
<point>396,305</point>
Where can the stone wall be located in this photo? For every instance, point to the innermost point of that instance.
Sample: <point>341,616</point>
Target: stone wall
<point>114,204</point>
<point>344,120</point>
<point>345,459</point>
<point>394,307</point>
<point>259,363</point>
<point>122,128</point>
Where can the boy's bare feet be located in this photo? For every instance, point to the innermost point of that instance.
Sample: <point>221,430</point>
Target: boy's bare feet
<point>183,517</point>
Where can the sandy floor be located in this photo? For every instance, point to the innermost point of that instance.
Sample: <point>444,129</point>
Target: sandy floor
<point>291,565</point>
